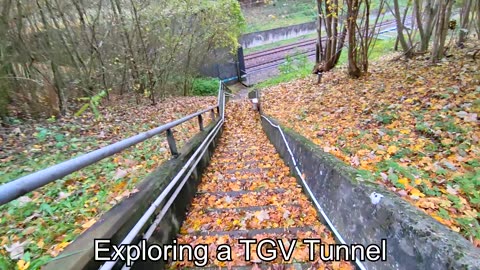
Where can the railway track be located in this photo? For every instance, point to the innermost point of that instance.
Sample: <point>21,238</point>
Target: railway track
<point>295,45</point>
<point>274,57</point>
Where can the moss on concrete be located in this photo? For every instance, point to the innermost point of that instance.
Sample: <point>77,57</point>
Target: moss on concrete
<point>414,239</point>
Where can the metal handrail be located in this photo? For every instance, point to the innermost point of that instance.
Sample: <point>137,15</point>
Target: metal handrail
<point>190,165</point>
<point>14,189</point>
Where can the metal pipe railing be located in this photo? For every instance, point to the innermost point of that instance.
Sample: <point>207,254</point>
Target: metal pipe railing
<point>14,189</point>
<point>190,165</point>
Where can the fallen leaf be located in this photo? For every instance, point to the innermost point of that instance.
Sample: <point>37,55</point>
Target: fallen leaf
<point>404,181</point>
<point>89,224</point>
<point>392,149</point>
<point>41,243</point>
<point>451,190</point>
<point>417,193</point>
<point>16,250</point>
<point>29,230</point>
<point>120,174</point>
<point>22,265</point>
<point>262,215</point>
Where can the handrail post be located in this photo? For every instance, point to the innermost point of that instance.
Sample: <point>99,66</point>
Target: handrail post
<point>171,143</point>
<point>200,122</point>
<point>212,114</point>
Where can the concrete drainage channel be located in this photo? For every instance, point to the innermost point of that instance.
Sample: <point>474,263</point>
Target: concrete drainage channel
<point>365,213</point>
<point>357,212</point>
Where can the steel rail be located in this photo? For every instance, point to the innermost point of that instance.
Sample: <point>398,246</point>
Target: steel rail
<point>298,44</point>
<point>14,189</point>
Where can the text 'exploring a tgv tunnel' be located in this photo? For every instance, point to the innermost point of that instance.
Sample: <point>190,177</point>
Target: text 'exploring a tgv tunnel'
<point>265,250</point>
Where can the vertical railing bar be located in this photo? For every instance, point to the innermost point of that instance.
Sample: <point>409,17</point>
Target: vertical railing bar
<point>171,143</point>
<point>212,114</point>
<point>200,122</point>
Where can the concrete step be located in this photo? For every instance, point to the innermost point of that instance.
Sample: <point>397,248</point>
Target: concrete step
<point>253,232</point>
<point>264,266</point>
<point>268,196</point>
<point>247,208</point>
<point>254,184</point>
<point>241,192</point>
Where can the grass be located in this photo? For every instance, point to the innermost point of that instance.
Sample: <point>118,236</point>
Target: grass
<point>302,73</point>
<point>282,13</point>
<point>293,68</point>
<point>381,48</point>
<point>279,14</point>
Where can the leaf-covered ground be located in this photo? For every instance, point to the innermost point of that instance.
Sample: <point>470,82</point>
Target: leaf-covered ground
<point>410,126</point>
<point>248,187</point>
<point>39,225</point>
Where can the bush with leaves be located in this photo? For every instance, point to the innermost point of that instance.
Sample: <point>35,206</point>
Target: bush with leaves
<point>205,87</point>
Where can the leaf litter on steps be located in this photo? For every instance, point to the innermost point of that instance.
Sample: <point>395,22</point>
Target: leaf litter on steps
<point>268,200</point>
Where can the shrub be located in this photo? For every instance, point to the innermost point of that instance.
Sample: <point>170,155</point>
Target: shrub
<point>205,87</point>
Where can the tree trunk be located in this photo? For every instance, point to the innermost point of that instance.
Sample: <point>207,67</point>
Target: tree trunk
<point>425,21</point>
<point>329,51</point>
<point>352,13</point>
<point>464,22</point>
<point>441,30</point>
<point>477,12</point>
<point>58,82</point>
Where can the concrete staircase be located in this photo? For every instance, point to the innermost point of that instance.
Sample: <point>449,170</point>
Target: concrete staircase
<point>247,192</point>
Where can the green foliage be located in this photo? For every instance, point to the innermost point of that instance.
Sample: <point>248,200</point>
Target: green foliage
<point>5,263</point>
<point>470,183</point>
<point>396,170</point>
<point>384,117</point>
<point>470,226</point>
<point>93,103</point>
<point>205,87</point>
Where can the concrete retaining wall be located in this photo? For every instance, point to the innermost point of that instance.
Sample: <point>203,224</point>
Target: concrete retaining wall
<point>117,222</point>
<point>254,39</point>
<point>414,239</point>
